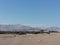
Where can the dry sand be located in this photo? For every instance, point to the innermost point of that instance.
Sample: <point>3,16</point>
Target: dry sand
<point>30,39</point>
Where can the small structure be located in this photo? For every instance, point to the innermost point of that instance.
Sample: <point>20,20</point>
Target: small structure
<point>45,31</point>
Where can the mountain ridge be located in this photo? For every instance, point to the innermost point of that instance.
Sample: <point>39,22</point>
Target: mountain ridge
<point>19,27</point>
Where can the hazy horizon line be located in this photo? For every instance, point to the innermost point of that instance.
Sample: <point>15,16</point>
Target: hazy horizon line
<point>32,25</point>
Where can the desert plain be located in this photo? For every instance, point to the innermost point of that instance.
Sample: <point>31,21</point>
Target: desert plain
<point>30,39</point>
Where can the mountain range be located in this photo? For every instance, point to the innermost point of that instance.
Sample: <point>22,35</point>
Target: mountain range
<point>19,27</point>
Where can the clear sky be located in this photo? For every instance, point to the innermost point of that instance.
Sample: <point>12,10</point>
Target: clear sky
<point>43,12</point>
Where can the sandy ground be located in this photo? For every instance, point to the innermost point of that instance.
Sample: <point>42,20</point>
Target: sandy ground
<point>30,39</point>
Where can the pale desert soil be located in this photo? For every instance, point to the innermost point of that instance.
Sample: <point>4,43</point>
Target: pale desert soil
<point>30,39</point>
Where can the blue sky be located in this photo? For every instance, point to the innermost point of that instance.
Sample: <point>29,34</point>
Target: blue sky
<point>31,12</point>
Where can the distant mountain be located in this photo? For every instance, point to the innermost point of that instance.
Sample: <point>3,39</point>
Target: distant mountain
<point>19,27</point>
<point>53,28</point>
<point>16,27</point>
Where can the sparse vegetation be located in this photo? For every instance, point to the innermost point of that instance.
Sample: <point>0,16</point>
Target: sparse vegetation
<point>27,32</point>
